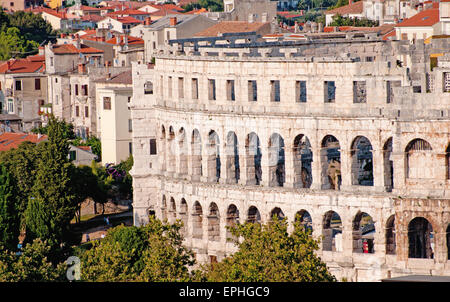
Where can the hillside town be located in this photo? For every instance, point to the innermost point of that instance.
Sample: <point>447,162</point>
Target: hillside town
<point>335,116</point>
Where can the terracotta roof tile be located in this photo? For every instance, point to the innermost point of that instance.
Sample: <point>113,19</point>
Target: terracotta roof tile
<point>354,8</point>
<point>427,17</point>
<point>27,65</point>
<point>11,140</point>
<point>121,78</point>
<point>131,41</point>
<point>230,27</point>
<point>72,49</point>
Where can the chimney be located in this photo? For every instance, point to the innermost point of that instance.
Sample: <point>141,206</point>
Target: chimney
<point>9,64</point>
<point>173,21</point>
<point>81,68</point>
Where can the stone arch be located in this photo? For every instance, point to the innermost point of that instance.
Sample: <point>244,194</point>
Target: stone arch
<point>330,158</point>
<point>197,221</point>
<point>172,210</point>
<point>213,148</point>
<point>164,208</point>
<point>232,219</point>
<point>253,215</point>
<point>276,213</point>
<point>305,220</point>
<point>391,246</point>
<point>388,163</point>
<point>277,173</point>
<point>253,159</point>
<point>182,151</point>
<point>420,238</point>
<point>232,158</point>
<point>163,143</point>
<point>213,222</point>
<point>418,151</point>
<point>303,158</point>
<point>171,158</point>
<point>332,232</point>
<point>183,214</point>
<point>362,161</point>
<point>196,155</point>
<point>363,233</point>
<point>447,162</point>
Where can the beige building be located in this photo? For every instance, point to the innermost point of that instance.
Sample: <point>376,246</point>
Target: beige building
<point>113,102</point>
<point>335,133</point>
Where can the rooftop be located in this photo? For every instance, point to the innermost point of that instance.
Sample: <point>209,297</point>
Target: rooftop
<point>10,140</point>
<point>427,17</point>
<point>72,49</point>
<point>121,78</point>
<point>354,8</point>
<point>28,65</point>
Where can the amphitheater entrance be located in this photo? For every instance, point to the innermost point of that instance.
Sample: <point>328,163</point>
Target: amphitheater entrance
<point>253,215</point>
<point>420,239</point>
<point>390,236</point>
<point>213,223</point>
<point>388,165</point>
<point>276,161</point>
<point>276,214</point>
<point>330,157</point>
<point>304,218</point>
<point>362,162</point>
<point>232,220</point>
<point>197,221</point>
<point>332,232</point>
<point>232,158</point>
<point>363,233</point>
<point>253,159</point>
<point>303,158</point>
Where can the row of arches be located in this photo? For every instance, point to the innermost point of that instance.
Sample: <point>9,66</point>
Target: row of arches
<point>420,231</point>
<point>250,157</point>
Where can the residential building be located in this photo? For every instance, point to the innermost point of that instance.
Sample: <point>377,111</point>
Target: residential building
<point>119,24</point>
<point>19,5</point>
<point>81,155</point>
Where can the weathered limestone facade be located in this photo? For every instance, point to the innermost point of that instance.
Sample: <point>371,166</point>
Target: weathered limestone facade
<point>241,134</point>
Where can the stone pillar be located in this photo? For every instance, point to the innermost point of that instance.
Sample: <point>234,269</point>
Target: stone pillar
<point>346,170</point>
<point>399,161</point>
<point>347,235</point>
<point>242,161</point>
<point>378,170</point>
<point>288,165</point>
<point>205,157</point>
<point>265,178</point>
<point>316,167</point>
<point>223,163</point>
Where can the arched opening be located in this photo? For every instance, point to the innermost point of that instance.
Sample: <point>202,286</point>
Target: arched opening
<point>213,223</point>
<point>232,219</point>
<point>332,232</point>
<point>151,213</point>
<point>388,165</point>
<point>420,239</point>
<point>183,214</point>
<point>363,233</point>
<point>305,220</point>
<point>330,157</point>
<point>162,154</point>
<point>213,157</point>
<point>418,151</point>
<point>253,159</point>
<point>196,155</point>
<point>253,215</point>
<point>390,236</point>
<point>276,161</point>
<point>197,221</point>
<point>171,160</point>
<point>362,162</point>
<point>276,213</point>
<point>164,208</point>
<point>447,162</point>
<point>183,152</point>
<point>172,210</point>
<point>232,158</point>
<point>303,158</point>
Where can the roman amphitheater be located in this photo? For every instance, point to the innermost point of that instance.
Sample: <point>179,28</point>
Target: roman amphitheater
<point>348,133</point>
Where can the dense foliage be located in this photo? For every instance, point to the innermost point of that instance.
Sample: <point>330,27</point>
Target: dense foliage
<point>338,20</point>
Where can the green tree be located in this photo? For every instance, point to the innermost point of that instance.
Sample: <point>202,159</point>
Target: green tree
<point>13,44</point>
<point>212,5</point>
<point>151,253</point>
<point>32,26</point>
<point>53,202</point>
<point>9,214</point>
<point>68,130</point>
<point>268,253</point>
<point>31,265</point>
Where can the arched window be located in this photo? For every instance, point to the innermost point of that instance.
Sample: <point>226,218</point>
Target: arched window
<point>172,211</point>
<point>276,160</point>
<point>418,151</point>
<point>253,215</point>
<point>276,213</point>
<point>391,246</point>
<point>183,214</point>
<point>232,219</point>
<point>332,232</point>
<point>363,233</point>
<point>362,162</point>
<point>213,223</point>
<point>420,238</point>
<point>330,157</point>
<point>182,152</point>
<point>305,220</point>
<point>253,159</point>
<point>213,157</point>
<point>197,221</point>
<point>388,165</point>
<point>303,158</point>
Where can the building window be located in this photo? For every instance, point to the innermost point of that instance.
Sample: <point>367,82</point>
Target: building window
<point>330,91</point>
<point>86,111</point>
<point>77,111</point>
<point>18,85</point>
<point>148,87</point>
<point>51,61</point>
<point>252,91</point>
<point>300,89</point>
<point>153,146</point>
<point>181,88</point>
<point>76,89</point>
<point>85,89</point>
<point>106,103</point>
<point>230,90</point>
<point>37,84</point>
<point>195,89</point>
<point>72,155</point>
<point>57,99</point>
<point>359,92</point>
<point>130,148</point>
<point>130,125</point>
<point>10,106</point>
<point>212,89</point>
<point>275,91</point>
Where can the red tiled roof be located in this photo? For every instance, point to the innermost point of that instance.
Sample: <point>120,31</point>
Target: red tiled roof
<point>27,65</point>
<point>390,34</point>
<point>94,18</point>
<point>230,27</point>
<point>427,17</point>
<point>85,148</point>
<point>126,20</point>
<point>354,8</point>
<point>127,12</point>
<point>121,78</point>
<point>89,8</point>
<point>131,40</point>
<point>197,11</point>
<point>11,140</point>
<point>72,49</point>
